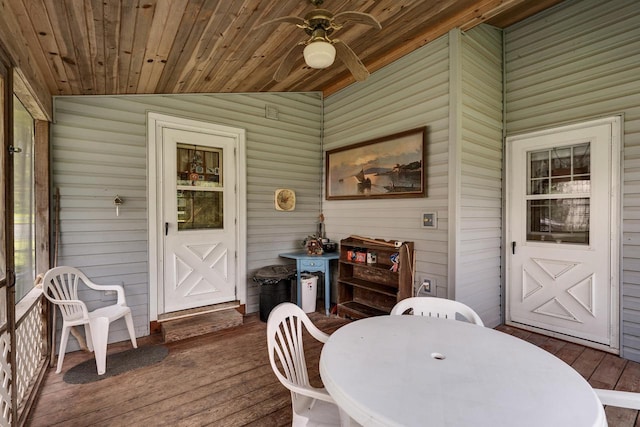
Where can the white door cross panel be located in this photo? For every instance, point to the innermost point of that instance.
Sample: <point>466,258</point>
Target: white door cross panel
<point>195,282</point>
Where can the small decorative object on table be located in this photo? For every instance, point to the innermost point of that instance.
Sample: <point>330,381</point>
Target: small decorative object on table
<point>313,245</point>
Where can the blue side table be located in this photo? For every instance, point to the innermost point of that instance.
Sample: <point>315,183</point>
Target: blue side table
<point>313,263</point>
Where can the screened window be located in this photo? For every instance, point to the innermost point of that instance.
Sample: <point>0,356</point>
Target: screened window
<point>24,193</point>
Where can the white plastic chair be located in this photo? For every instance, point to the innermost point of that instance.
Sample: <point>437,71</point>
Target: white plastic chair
<point>311,406</point>
<point>621,399</point>
<point>60,286</point>
<point>436,307</point>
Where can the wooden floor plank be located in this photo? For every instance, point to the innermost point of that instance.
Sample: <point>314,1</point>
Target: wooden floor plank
<point>620,417</point>
<point>225,379</point>
<point>553,345</point>
<point>607,373</point>
<point>588,361</point>
<point>630,378</point>
<point>570,352</point>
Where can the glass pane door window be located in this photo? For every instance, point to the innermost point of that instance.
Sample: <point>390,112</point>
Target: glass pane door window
<point>24,199</point>
<point>200,187</point>
<point>559,194</point>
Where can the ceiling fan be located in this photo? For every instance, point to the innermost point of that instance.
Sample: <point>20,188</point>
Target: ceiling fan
<point>319,50</point>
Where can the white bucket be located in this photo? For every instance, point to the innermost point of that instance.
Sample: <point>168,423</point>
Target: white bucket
<point>309,284</point>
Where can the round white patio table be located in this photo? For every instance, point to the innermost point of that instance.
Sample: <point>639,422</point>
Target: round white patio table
<point>423,371</point>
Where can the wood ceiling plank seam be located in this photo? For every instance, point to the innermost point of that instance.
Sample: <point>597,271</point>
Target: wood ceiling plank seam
<point>161,36</point>
<point>521,12</point>
<point>487,11</point>
<point>142,30</point>
<point>289,8</point>
<point>453,19</point>
<point>78,26</point>
<point>397,23</point>
<point>96,29</point>
<point>226,69</point>
<point>57,13</point>
<point>128,14</point>
<point>260,49</point>
<point>41,26</point>
<point>178,53</point>
<point>210,46</point>
<point>484,11</point>
<point>275,49</point>
<point>206,17</point>
<point>111,25</point>
<point>202,22</point>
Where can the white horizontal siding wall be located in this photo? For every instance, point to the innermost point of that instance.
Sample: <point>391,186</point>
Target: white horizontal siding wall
<point>410,93</point>
<point>99,149</point>
<point>478,173</point>
<point>577,61</point>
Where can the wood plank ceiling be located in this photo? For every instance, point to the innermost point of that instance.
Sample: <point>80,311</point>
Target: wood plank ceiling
<point>88,47</point>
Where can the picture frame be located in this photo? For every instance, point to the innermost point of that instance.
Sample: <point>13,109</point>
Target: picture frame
<point>392,166</point>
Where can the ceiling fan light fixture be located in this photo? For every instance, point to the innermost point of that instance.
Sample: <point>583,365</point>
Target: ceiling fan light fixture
<point>319,54</point>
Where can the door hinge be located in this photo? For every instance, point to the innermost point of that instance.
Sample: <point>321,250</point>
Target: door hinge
<point>11,278</point>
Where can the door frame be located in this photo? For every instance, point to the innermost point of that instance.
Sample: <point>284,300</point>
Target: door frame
<point>615,230</point>
<point>156,122</point>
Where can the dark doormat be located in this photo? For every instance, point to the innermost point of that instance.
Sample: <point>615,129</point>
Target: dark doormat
<point>117,364</point>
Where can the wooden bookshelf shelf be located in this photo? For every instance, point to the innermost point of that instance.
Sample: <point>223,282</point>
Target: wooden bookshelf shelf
<point>372,288</point>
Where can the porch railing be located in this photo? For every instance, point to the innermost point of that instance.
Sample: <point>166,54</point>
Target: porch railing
<point>31,345</point>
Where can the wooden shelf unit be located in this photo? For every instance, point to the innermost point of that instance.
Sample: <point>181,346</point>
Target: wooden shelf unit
<point>372,289</point>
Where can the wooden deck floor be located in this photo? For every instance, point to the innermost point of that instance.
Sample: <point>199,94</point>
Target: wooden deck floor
<point>224,379</point>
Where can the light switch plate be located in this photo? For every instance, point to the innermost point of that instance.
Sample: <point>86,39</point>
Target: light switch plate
<point>429,220</point>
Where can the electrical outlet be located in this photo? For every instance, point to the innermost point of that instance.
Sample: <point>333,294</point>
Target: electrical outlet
<point>426,285</point>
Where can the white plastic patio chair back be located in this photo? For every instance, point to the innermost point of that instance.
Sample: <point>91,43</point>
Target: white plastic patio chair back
<point>60,286</point>
<point>311,406</point>
<point>436,307</point>
<point>621,399</point>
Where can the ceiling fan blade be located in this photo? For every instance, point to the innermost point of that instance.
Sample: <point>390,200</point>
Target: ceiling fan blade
<point>288,19</point>
<point>287,63</point>
<point>351,60</point>
<point>357,17</point>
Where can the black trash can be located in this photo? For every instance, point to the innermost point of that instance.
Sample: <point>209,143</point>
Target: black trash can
<point>275,286</point>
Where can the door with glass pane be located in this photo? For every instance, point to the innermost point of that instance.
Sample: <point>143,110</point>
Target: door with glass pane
<point>199,219</point>
<point>562,232</point>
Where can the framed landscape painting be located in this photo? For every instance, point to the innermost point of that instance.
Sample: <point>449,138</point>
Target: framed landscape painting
<point>389,167</point>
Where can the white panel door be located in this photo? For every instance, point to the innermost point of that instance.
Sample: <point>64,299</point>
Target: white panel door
<point>562,253</point>
<point>199,219</point>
